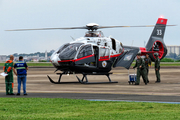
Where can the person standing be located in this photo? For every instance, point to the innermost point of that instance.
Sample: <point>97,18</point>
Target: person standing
<point>147,64</point>
<point>8,68</point>
<point>157,67</point>
<point>140,64</point>
<point>21,68</point>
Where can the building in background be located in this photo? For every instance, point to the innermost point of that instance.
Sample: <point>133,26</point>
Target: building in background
<point>33,57</point>
<point>46,56</point>
<point>2,58</point>
<point>173,49</point>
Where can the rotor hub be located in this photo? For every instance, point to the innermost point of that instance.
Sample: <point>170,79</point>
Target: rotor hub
<point>92,26</point>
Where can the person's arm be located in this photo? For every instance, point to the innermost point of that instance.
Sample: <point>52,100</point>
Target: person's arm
<point>13,68</point>
<point>4,68</point>
<point>9,69</point>
<point>150,61</point>
<point>26,66</point>
<point>142,63</point>
<point>135,65</point>
<point>14,71</point>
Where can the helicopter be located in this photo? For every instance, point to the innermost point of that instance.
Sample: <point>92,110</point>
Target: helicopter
<point>95,54</point>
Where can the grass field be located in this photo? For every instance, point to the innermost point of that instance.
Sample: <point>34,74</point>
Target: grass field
<point>39,64</point>
<point>45,64</point>
<point>71,109</point>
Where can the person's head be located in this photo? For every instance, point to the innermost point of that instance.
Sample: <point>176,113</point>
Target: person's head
<point>138,56</point>
<point>11,57</point>
<point>20,57</point>
<point>147,55</point>
<point>156,55</point>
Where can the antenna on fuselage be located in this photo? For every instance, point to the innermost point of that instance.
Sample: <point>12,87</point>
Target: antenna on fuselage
<point>144,43</point>
<point>72,38</point>
<point>132,43</point>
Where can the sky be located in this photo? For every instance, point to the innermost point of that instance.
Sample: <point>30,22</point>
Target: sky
<point>26,14</point>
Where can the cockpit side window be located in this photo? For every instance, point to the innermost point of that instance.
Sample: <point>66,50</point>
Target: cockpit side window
<point>85,51</point>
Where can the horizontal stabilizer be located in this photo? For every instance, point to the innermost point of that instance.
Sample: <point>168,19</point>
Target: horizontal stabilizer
<point>126,59</point>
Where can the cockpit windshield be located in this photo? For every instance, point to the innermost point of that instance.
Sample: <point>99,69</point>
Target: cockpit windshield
<point>69,52</point>
<point>62,47</point>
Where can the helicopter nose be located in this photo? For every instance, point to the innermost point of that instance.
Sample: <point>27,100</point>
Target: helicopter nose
<point>55,59</point>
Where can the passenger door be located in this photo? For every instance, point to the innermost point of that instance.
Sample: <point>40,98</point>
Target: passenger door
<point>104,58</point>
<point>85,55</point>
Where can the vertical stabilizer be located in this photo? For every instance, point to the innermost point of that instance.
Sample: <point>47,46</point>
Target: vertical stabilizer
<point>156,42</point>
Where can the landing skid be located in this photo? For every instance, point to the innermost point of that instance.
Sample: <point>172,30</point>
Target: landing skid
<point>87,82</point>
<point>82,80</point>
<point>59,80</point>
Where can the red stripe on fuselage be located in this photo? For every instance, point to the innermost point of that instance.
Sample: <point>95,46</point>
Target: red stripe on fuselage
<point>65,61</point>
<point>76,59</point>
<point>104,58</point>
<point>101,58</point>
<point>107,57</point>
<point>84,57</point>
<point>142,49</point>
<point>117,55</point>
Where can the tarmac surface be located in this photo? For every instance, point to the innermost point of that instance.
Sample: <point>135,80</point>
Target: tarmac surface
<point>38,85</point>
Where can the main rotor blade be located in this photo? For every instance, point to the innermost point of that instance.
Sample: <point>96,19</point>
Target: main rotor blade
<point>101,27</point>
<point>48,29</point>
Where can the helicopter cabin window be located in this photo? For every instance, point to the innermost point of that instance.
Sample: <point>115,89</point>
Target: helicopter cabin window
<point>104,53</point>
<point>85,51</point>
<point>105,44</point>
<point>113,43</point>
<point>93,34</point>
<point>69,52</point>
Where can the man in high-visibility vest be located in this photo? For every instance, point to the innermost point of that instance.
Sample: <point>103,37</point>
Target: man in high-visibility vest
<point>8,68</point>
<point>21,68</point>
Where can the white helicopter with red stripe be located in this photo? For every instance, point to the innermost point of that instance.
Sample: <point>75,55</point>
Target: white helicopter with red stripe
<point>95,54</point>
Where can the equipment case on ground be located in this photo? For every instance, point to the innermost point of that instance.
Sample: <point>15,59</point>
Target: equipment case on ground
<point>132,77</point>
